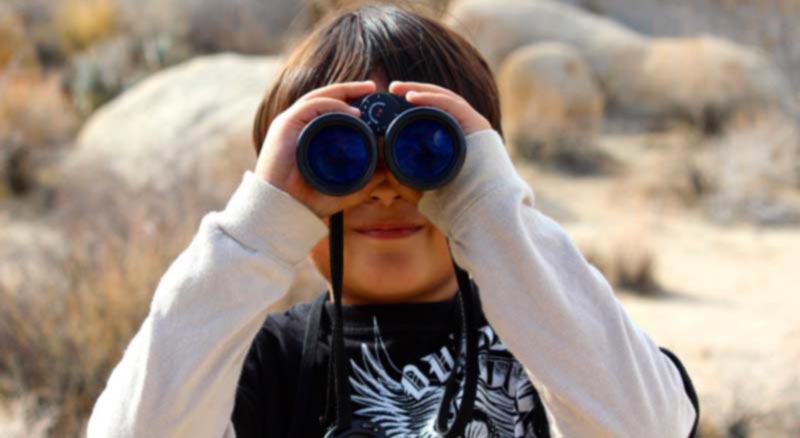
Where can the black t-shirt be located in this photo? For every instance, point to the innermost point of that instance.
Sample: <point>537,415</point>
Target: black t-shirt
<point>399,357</point>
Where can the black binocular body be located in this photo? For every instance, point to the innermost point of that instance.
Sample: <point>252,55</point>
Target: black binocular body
<point>423,146</point>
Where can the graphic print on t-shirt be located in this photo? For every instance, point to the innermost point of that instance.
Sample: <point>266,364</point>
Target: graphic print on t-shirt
<point>404,400</point>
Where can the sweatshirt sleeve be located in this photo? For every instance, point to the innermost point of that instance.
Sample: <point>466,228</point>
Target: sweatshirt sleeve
<point>599,374</point>
<point>178,376</point>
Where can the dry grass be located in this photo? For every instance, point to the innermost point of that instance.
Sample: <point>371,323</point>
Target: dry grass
<point>14,46</point>
<point>756,172</point>
<point>37,122</point>
<point>81,23</point>
<point>626,259</point>
<point>59,346</point>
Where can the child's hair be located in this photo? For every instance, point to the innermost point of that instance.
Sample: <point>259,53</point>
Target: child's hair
<point>402,43</point>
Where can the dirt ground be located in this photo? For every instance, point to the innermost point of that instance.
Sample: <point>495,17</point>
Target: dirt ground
<point>729,306</point>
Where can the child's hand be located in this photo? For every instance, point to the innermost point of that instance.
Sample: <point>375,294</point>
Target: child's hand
<point>422,94</point>
<point>276,162</point>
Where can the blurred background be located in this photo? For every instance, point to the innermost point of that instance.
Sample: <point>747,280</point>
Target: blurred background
<point>663,135</point>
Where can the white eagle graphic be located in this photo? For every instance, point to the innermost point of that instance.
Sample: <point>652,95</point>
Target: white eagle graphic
<point>407,407</point>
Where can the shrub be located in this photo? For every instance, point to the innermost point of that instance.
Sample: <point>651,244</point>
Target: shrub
<point>36,123</point>
<point>81,23</point>
<point>625,258</point>
<point>59,345</point>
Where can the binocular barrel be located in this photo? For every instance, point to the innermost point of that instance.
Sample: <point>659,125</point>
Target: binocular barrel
<point>423,147</point>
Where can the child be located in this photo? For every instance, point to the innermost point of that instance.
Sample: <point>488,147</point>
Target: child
<point>557,354</point>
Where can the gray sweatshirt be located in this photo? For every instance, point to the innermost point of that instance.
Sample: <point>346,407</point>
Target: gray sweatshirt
<point>598,373</point>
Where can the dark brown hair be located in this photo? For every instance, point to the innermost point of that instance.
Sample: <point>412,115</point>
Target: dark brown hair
<point>405,44</point>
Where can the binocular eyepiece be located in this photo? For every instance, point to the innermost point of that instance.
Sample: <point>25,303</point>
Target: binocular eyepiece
<point>423,147</point>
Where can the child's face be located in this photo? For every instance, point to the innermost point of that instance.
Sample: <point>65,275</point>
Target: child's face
<point>392,253</point>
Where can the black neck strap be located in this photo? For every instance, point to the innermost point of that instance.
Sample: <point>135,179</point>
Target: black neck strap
<point>468,325</point>
<point>340,365</point>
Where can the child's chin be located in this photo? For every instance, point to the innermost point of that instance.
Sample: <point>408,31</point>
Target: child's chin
<point>396,278</point>
<point>376,296</point>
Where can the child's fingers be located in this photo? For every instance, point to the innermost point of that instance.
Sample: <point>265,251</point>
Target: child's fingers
<point>342,91</point>
<point>401,88</point>
<point>305,111</point>
<point>450,104</point>
<point>466,116</point>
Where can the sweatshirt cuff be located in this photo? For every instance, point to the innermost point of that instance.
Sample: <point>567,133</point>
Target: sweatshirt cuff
<point>487,168</point>
<point>269,220</point>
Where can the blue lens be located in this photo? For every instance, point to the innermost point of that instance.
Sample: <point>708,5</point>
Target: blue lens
<point>338,156</point>
<point>424,151</point>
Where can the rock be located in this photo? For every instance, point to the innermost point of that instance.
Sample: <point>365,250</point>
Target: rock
<point>551,102</point>
<point>706,80</point>
<point>165,152</point>
<point>701,79</point>
<point>497,28</point>
<point>194,118</point>
<point>769,25</point>
<point>176,144</point>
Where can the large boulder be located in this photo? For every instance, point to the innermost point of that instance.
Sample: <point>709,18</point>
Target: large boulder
<point>701,79</point>
<point>767,24</point>
<point>706,80</point>
<point>551,103</point>
<point>177,144</point>
<point>497,28</point>
<point>194,118</point>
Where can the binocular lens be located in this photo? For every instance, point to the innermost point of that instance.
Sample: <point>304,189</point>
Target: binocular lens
<point>424,151</point>
<point>339,156</point>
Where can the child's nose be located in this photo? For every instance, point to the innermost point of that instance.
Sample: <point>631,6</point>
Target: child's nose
<point>385,192</point>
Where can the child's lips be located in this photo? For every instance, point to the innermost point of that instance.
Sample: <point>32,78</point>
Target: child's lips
<point>389,231</point>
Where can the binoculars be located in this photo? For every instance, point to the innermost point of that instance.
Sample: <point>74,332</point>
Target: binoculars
<point>423,147</point>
